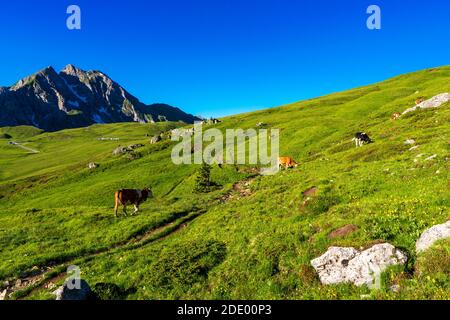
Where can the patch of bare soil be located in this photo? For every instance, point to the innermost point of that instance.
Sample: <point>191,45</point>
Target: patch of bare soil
<point>239,190</point>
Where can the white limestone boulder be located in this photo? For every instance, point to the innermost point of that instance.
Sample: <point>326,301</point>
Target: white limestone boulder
<point>341,265</point>
<point>434,102</point>
<point>431,235</point>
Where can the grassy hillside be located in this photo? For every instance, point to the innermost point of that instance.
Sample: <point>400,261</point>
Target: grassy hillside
<point>254,236</point>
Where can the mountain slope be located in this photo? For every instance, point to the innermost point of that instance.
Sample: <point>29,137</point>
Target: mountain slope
<point>76,98</point>
<point>253,237</point>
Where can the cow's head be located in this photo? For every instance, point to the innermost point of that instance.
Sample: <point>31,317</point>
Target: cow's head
<point>148,192</point>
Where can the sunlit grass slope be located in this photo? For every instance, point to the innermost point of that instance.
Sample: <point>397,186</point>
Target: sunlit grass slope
<point>53,210</point>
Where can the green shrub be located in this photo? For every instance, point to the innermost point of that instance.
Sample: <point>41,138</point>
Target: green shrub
<point>110,291</point>
<point>203,179</point>
<point>184,265</point>
<point>5,136</point>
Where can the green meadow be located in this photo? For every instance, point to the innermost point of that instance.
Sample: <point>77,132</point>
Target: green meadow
<point>251,237</point>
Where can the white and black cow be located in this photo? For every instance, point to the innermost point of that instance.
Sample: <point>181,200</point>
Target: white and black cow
<point>361,138</point>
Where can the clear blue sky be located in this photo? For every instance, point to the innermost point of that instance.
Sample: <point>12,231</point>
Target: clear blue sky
<point>219,57</point>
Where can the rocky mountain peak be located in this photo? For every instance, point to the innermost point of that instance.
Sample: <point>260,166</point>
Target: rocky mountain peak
<point>70,69</point>
<point>76,98</point>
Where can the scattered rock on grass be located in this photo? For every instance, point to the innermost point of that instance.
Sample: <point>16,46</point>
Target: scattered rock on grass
<point>340,264</point>
<point>92,165</point>
<point>155,139</point>
<point>3,294</point>
<point>395,288</point>
<point>431,235</point>
<point>119,150</point>
<point>122,150</point>
<point>65,293</point>
<point>434,102</point>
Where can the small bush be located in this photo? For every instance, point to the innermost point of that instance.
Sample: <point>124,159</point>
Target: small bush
<point>5,136</point>
<point>184,265</point>
<point>110,291</point>
<point>203,180</point>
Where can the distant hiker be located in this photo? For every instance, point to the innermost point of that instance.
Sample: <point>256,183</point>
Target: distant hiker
<point>131,196</point>
<point>361,138</point>
<point>286,162</point>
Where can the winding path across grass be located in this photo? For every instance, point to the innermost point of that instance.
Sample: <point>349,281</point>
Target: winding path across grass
<point>49,275</point>
<point>43,279</point>
<point>13,143</point>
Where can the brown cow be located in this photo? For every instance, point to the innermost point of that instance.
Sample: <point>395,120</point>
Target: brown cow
<point>286,162</point>
<point>131,196</point>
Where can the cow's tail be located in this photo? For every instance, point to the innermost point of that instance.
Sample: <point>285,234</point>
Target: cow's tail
<point>116,201</point>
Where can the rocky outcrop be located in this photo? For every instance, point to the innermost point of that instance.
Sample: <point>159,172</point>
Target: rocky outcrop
<point>3,294</point>
<point>122,150</point>
<point>434,102</point>
<point>347,264</point>
<point>76,98</point>
<point>82,293</point>
<point>431,235</point>
<point>155,139</point>
<point>92,165</point>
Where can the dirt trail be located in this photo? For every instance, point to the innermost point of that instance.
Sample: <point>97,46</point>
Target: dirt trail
<point>13,143</point>
<point>38,278</point>
<point>239,190</point>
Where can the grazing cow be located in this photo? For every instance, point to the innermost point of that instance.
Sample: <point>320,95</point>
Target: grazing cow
<point>396,116</point>
<point>286,162</point>
<point>131,196</point>
<point>361,138</point>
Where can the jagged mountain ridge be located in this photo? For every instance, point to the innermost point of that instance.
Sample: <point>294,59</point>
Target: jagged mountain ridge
<point>76,98</point>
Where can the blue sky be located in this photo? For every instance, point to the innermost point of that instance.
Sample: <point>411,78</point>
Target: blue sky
<point>220,57</point>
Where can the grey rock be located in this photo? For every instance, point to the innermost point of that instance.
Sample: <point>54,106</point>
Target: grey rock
<point>120,150</point>
<point>395,288</point>
<point>76,98</point>
<point>331,266</point>
<point>92,165</point>
<point>65,293</point>
<point>341,264</point>
<point>431,235</point>
<point>434,102</point>
<point>3,294</point>
<point>155,139</point>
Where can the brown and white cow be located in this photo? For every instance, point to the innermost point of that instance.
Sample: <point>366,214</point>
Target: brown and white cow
<point>286,162</point>
<point>131,196</point>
